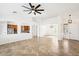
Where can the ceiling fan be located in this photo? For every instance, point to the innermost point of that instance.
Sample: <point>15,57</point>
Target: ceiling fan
<point>33,9</point>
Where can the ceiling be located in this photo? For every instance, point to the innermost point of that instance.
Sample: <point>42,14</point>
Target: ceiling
<point>51,10</point>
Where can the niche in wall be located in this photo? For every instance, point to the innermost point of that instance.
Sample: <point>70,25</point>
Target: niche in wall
<point>25,29</point>
<point>11,29</point>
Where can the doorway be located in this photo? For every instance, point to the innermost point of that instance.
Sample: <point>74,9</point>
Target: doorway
<point>46,37</point>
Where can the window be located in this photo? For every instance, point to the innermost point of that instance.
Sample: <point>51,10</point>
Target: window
<point>25,29</point>
<point>11,29</point>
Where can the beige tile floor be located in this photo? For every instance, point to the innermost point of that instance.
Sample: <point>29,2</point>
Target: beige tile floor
<point>41,47</point>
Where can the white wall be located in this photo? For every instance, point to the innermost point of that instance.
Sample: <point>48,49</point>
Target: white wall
<point>7,38</point>
<point>74,31</point>
<point>2,27</point>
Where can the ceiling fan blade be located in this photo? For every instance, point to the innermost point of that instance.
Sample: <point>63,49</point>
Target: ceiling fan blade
<point>37,6</point>
<point>26,10</point>
<point>30,12</point>
<point>38,12</point>
<point>40,9</point>
<point>25,7</point>
<point>34,13</point>
<point>31,5</point>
